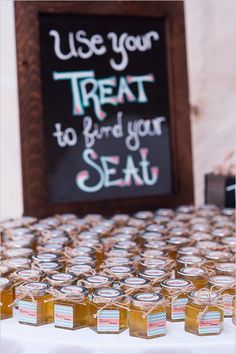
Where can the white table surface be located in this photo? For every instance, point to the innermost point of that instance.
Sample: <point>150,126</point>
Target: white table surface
<point>24,339</point>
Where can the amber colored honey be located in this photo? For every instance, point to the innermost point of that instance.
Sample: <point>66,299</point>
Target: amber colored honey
<point>166,294</point>
<point>192,312</point>
<point>123,317</point>
<point>198,281</point>
<point>6,298</point>
<point>45,310</point>
<point>138,323</point>
<point>80,313</point>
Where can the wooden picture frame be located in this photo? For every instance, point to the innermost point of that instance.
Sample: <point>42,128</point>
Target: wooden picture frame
<point>31,108</point>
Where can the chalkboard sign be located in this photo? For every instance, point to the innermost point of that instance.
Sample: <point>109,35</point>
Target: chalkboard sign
<point>112,128</point>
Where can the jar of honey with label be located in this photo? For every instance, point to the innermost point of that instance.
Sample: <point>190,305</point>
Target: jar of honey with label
<point>6,298</point>
<point>196,275</point>
<point>176,291</point>
<point>119,272</point>
<point>155,276</point>
<point>188,261</point>
<point>108,313</point>
<point>147,317</point>
<point>225,285</point>
<point>35,305</point>
<point>203,316</point>
<point>81,270</point>
<point>71,307</point>
<point>228,268</point>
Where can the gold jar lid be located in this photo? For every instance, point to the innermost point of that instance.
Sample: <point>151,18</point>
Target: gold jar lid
<point>146,299</point>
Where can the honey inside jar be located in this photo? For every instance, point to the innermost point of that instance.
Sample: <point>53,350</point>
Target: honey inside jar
<point>194,274</point>
<point>203,318</point>
<point>71,307</point>
<point>6,298</point>
<point>33,305</point>
<point>106,316</point>
<point>175,290</point>
<point>60,279</point>
<point>225,285</point>
<point>155,276</point>
<point>147,317</point>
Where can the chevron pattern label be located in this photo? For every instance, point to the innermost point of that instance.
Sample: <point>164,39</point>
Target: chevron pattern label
<point>28,311</point>
<point>228,304</point>
<point>108,321</point>
<point>178,308</point>
<point>210,323</point>
<point>156,324</point>
<point>63,316</point>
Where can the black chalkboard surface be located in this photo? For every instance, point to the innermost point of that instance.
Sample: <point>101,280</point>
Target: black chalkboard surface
<point>104,110</point>
<point>105,107</point>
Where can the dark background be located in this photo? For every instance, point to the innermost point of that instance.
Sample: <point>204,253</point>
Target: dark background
<point>63,164</point>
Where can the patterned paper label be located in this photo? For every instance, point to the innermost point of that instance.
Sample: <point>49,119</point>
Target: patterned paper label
<point>28,311</point>
<point>108,321</point>
<point>228,304</point>
<point>178,309</point>
<point>210,323</point>
<point>63,316</point>
<point>156,324</point>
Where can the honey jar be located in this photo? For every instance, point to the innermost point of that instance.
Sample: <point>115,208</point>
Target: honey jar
<point>196,275</point>
<point>83,259</point>
<point>117,261</point>
<point>45,257</point>
<point>22,252</point>
<point>226,286</point>
<point>97,281</point>
<point>107,311</point>
<point>56,248</point>
<point>6,298</point>
<point>33,305</point>
<point>71,307</point>
<point>176,291</point>
<point>188,251</point>
<point>147,317</point>
<point>60,279</point>
<point>156,263</point>
<point>132,284</point>
<point>203,316</point>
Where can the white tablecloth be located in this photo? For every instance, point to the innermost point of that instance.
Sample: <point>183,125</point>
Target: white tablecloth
<point>23,339</point>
